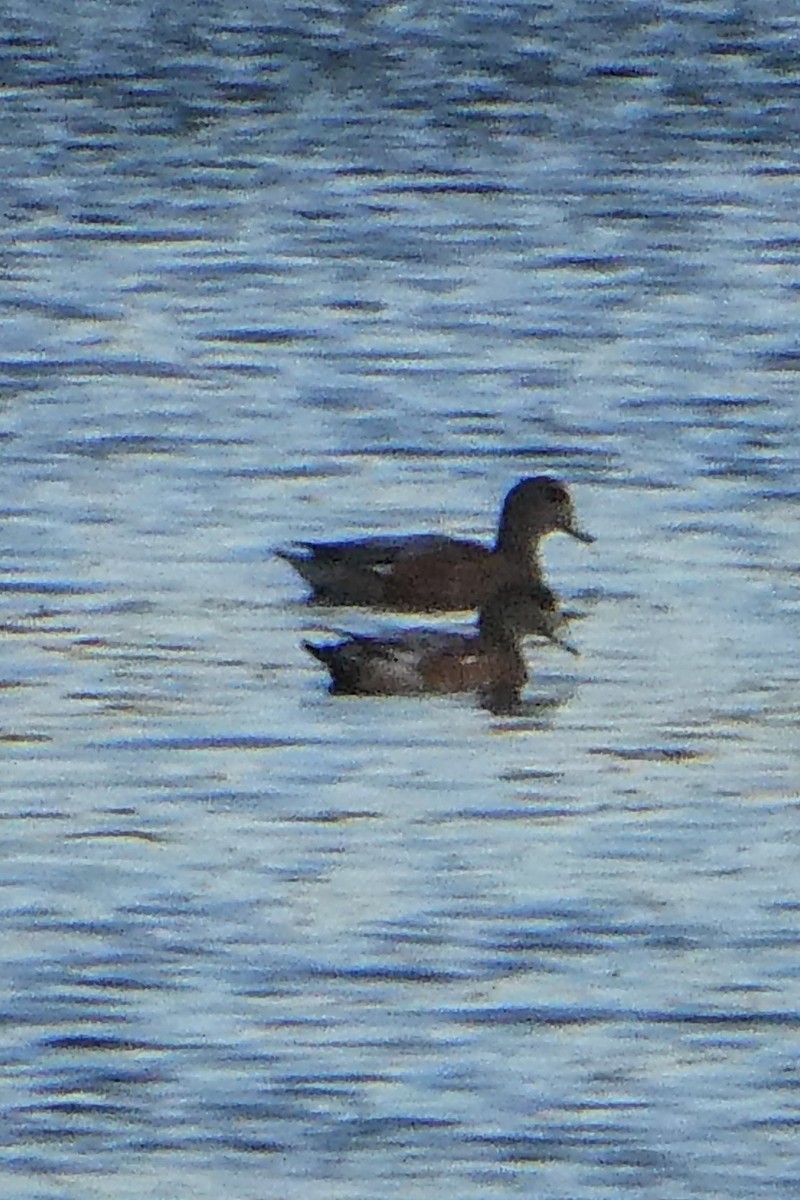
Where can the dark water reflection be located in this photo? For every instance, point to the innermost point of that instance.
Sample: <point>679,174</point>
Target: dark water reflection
<point>301,271</point>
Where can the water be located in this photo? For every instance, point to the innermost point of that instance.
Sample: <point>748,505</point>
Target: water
<point>297,271</point>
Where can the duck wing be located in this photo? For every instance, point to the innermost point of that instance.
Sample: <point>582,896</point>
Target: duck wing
<point>381,551</point>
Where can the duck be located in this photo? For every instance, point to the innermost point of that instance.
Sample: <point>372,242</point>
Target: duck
<point>436,573</point>
<point>487,660</point>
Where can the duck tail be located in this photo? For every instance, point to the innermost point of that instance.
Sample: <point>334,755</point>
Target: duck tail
<point>324,653</point>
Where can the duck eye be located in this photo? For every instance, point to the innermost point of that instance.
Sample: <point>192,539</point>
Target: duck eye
<point>556,494</point>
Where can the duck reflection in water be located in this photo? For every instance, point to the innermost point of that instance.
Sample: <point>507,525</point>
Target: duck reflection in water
<point>488,661</point>
<point>430,572</point>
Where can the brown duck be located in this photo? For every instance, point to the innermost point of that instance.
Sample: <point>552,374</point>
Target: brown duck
<point>431,572</point>
<point>487,660</point>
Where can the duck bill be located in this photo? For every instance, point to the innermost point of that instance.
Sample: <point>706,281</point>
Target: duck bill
<point>581,534</point>
<point>570,647</point>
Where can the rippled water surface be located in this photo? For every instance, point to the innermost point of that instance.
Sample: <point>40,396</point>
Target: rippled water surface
<point>284,271</point>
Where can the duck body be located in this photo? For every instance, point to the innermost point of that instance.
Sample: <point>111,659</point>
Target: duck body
<point>432,572</point>
<point>416,663</point>
<point>417,573</point>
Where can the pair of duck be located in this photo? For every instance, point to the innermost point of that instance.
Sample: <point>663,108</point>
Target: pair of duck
<point>433,573</point>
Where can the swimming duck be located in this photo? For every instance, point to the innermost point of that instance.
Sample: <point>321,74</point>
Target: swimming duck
<point>431,572</point>
<point>488,660</point>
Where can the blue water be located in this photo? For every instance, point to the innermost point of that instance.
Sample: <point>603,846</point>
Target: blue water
<point>291,271</point>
